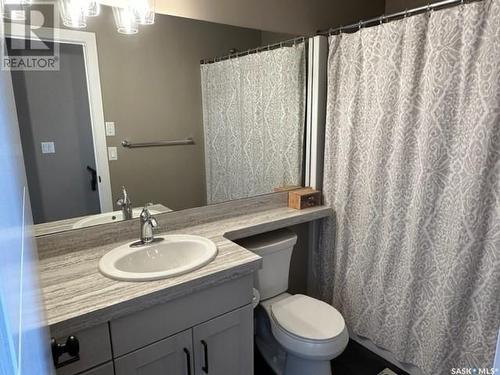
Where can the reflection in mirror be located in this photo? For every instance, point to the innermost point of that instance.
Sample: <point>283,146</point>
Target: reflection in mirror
<point>165,113</point>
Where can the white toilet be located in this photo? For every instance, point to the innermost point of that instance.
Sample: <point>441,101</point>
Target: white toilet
<point>296,334</point>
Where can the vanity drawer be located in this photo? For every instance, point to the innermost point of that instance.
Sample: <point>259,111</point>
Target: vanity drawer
<point>146,327</point>
<point>95,349</point>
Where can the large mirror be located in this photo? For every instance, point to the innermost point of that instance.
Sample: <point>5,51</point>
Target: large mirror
<point>161,116</point>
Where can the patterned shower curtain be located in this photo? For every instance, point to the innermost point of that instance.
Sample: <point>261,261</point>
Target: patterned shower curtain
<point>412,170</point>
<point>253,116</point>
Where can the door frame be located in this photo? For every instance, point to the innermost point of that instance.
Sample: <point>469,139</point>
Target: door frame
<point>88,42</point>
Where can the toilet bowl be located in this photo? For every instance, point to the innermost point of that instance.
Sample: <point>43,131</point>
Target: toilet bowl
<point>295,334</point>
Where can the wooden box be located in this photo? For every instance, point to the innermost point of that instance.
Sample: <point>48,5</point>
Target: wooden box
<point>304,198</point>
<point>287,188</point>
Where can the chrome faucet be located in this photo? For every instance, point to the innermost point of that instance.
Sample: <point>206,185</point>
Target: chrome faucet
<point>125,204</point>
<point>148,223</point>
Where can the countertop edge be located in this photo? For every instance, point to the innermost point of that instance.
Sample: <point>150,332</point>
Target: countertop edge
<point>134,305</point>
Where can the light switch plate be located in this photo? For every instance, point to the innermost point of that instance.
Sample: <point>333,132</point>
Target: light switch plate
<point>110,128</point>
<point>112,153</point>
<point>48,148</point>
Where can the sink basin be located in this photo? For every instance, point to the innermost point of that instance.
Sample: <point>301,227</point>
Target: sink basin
<point>175,255</point>
<point>108,217</point>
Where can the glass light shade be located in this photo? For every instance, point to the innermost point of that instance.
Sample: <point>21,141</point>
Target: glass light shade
<point>144,11</point>
<point>92,8</point>
<point>73,13</point>
<point>126,22</point>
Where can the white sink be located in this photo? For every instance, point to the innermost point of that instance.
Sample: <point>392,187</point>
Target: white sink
<point>108,217</point>
<point>175,255</point>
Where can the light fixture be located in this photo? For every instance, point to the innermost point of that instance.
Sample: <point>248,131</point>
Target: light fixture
<point>144,11</point>
<point>128,17</point>
<point>92,8</point>
<point>126,21</point>
<point>73,13</point>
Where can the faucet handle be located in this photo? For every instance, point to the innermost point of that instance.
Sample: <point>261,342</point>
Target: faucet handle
<point>145,214</point>
<point>124,200</point>
<point>153,222</point>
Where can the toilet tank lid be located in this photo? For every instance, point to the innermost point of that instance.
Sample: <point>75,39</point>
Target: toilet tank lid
<point>270,241</point>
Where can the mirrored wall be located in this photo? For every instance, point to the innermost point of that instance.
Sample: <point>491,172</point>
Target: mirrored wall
<point>183,114</point>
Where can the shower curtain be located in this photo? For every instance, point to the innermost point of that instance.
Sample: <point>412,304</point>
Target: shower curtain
<point>253,117</point>
<point>412,170</point>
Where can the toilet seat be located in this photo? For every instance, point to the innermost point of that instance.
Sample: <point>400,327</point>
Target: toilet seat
<point>307,327</point>
<point>308,318</point>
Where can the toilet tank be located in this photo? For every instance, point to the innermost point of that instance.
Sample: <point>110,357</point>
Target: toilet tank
<point>275,248</point>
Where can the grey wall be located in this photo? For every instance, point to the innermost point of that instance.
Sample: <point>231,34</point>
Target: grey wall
<point>152,90</point>
<point>297,278</point>
<point>393,6</point>
<point>53,106</point>
<point>269,37</point>
<point>285,16</point>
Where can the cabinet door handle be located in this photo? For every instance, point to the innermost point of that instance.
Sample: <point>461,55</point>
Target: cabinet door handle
<point>205,350</point>
<point>188,360</point>
<point>72,347</point>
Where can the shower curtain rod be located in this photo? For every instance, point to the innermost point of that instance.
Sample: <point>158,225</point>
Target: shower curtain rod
<point>290,42</point>
<point>393,16</point>
<point>340,29</point>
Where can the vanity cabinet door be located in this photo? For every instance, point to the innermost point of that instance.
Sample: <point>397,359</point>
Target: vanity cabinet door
<point>224,345</point>
<point>171,356</point>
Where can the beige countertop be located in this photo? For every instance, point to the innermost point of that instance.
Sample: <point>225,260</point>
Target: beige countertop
<point>78,296</point>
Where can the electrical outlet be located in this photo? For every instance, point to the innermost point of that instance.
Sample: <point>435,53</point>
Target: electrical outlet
<point>110,128</point>
<point>112,153</point>
<point>48,148</point>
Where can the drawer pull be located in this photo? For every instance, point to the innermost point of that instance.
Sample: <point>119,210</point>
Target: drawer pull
<point>71,346</point>
<point>188,360</point>
<point>205,351</point>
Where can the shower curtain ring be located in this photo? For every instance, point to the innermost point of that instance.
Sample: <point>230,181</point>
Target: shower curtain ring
<point>406,13</point>
<point>360,25</point>
<point>382,19</point>
<point>429,8</point>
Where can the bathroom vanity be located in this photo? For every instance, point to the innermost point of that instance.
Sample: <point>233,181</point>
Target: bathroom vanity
<point>200,322</point>
<point>212,328</point>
